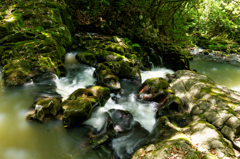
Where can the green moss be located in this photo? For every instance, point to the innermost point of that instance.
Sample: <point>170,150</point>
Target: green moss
<point>86,58</point>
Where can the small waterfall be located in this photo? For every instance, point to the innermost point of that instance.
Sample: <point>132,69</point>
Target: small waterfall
<point>140,111</point>
<point>161,61</point>
<point>78,76</point>
<point>144,113</point>
<point>150,62</point>
<point>160,58</point>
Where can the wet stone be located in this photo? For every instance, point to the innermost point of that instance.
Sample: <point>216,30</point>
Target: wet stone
<point>233,122</point>
<point>228,132</point>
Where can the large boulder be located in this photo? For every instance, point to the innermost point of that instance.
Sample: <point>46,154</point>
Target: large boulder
<point>216,104</point>
<point>198,140</point>
<point>208,127</point>
<point>79,105</point>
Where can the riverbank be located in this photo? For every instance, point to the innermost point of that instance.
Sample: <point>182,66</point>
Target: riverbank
<point>216,56</point>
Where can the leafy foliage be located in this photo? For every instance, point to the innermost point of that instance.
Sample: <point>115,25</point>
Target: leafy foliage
<point>217,18</point>
<point>169,17</point>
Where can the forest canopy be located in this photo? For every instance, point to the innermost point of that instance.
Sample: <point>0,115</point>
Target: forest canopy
<point>176,19</point>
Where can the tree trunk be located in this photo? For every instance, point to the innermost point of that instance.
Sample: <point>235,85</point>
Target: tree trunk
<point>152,5</point>
<point>157,10</point>
<point>172,15</point>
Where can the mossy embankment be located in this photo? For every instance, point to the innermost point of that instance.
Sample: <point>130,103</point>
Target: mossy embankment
<point>34,37</point>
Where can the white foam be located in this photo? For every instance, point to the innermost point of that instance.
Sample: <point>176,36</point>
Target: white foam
<point>196,51</point>
<point>78,76</point>
<point>144,113</point>
<point>156,72</point>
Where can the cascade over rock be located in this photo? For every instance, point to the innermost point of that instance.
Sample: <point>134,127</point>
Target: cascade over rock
<point>112,57</point>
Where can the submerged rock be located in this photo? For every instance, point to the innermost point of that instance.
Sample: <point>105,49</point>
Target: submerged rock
<point>125,134</point>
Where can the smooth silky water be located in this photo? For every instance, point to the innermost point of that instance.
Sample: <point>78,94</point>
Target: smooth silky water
<point>221,73</point>
<point>21,139</point>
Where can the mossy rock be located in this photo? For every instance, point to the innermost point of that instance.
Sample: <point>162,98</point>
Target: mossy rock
<point>124,70</point>
<point>75,112</point>
<point>111,49</point>
<point>86,58</point>
<point>157,82</point>
<point>105,77</point>
<point>108,56</point>
<point>16,72</point>
<point>81,92</point>
<point>103,93</point>
<point>45,107</point>
<point>154,89</point>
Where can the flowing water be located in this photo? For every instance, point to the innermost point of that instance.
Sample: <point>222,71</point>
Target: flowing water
<point>21,139</point>
<point>221,73</point>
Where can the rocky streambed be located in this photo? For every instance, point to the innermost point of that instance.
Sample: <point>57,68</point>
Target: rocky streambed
<point>181,114</point>
<point>102,101</point>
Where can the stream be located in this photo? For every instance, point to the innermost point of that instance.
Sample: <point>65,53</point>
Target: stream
<point>221,73</point>
<point>22,139</point>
